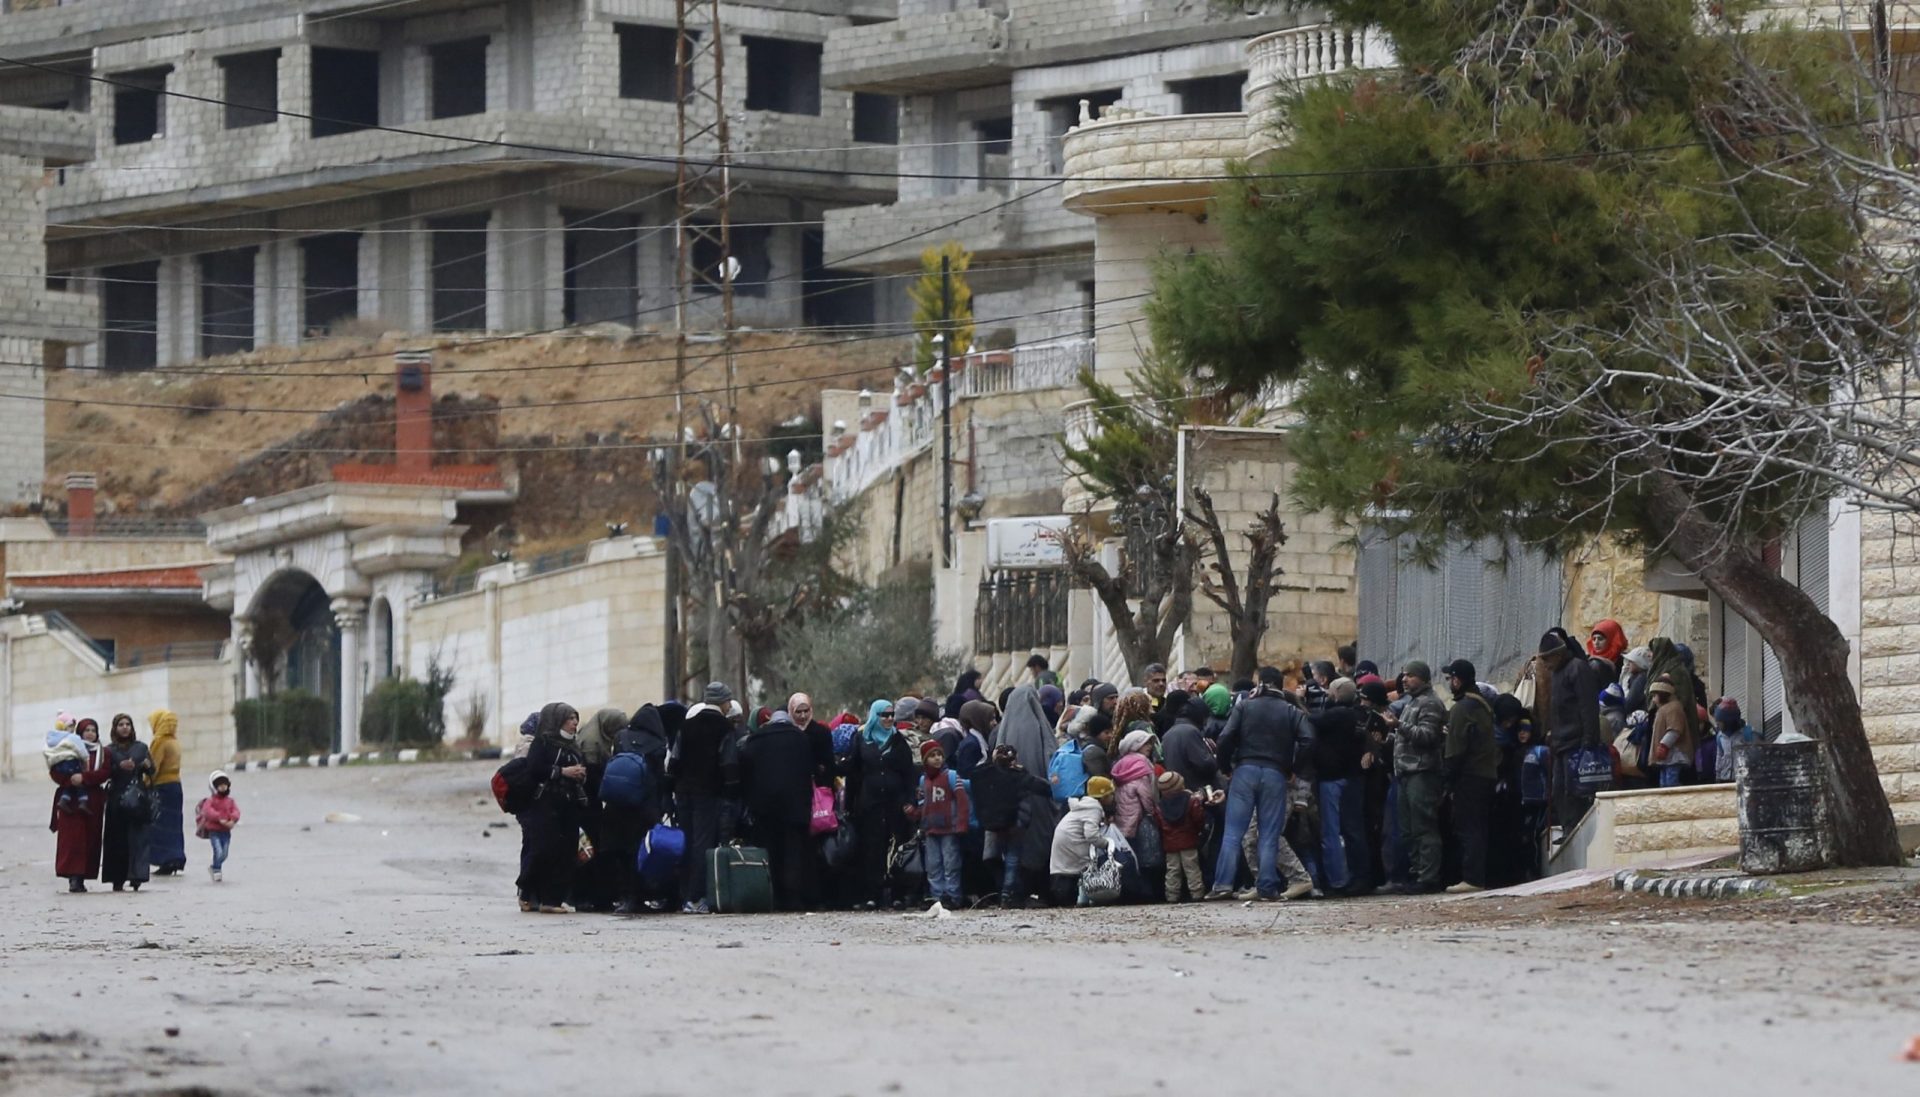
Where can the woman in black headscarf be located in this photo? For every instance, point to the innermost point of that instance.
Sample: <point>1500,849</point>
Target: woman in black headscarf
<point>966,688</point>
<point>124,847</point>
<point>552,823</point>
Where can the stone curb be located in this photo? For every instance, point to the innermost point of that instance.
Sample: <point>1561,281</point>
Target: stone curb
<point>326,760</point>
<point>1695,887</point>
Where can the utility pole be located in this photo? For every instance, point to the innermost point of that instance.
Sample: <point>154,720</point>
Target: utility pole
<point>946,411</point>
<point>703,258</point>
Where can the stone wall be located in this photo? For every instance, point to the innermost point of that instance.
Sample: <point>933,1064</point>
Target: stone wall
<point>1889,648</point>
<point>44,675</point>
<point>591,635</point>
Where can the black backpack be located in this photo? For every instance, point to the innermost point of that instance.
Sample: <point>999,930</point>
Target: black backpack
<point>514,785</point>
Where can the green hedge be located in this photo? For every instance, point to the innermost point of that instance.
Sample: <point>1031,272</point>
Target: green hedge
<point>405,712</point>
<point>295,720</point>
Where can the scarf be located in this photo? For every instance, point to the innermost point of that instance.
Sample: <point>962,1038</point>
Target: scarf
<point>875,731</point>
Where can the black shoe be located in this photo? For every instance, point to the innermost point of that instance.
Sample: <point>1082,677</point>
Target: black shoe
<point>135,885</point>
<point>76,884</point>
<point>117,887</point>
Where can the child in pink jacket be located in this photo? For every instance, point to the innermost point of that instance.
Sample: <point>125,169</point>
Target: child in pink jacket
<point>215,818</point>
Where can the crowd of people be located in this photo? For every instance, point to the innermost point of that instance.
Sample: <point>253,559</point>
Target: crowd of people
<point>1331,779</point>
<point>119,806</point>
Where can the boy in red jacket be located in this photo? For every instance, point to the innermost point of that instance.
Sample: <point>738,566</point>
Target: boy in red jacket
<point>944,812</point>
<point>214,819</point>
<point>1183,818</point>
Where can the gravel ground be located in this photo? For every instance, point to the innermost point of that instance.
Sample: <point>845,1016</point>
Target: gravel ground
<point>385,955</point>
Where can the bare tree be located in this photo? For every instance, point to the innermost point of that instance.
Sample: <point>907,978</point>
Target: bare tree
<point>1245,600</point>
<point>1151,595</point>
<point>720,528</point>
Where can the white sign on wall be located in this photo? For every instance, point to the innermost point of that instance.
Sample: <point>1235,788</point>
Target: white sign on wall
<point>1026,542</point>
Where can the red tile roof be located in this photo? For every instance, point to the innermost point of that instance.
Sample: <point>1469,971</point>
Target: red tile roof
<point>167,578</point>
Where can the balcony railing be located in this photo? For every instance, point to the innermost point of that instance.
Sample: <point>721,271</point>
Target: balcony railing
<point>1323,49</point>
<point>1035,368</point>
<point>192,651</point>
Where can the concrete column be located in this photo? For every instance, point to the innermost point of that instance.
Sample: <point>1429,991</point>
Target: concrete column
<point>350,616</point>
<point>249,669</point>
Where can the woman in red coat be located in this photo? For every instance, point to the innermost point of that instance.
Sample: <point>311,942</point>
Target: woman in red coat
<point>77,855</point>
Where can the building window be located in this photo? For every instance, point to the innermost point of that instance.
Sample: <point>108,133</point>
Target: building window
<point>139,105</point>
<point>876,118</point>
<point>783,75</point>
<point>226,301</point>
<point>752,249</point>
<point>252,88</point>
<point>346,90</point>
<point>647,62</point>
<point>130,316</point>
<point>459,274</point>
<point>459,77</point>
<point>602,257</point>
<point>1063,113</point>
<point>330,280</point>
<point>1210,94</point>
<point>831,298</point>
<point>993,148</point>
<point>1087,305</point>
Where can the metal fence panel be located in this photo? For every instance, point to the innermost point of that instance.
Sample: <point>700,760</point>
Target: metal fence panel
<point>1484,601</point>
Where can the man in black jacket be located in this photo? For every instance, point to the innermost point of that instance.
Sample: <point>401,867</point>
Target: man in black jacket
<point>1185,747</point>
<point>1573,722</point>
<point>776,782</point>
<point>699,786</point>
<point>1338,745</point>
<point>1258,749</point>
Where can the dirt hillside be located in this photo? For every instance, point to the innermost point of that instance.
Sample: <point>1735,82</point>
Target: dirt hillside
<point>569,412</point>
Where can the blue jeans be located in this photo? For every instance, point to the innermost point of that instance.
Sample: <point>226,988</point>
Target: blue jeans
<point>1393,849</point>
<point>942,855</point>
<point>1344,832</point>
<point>222,840</point>
<point>1010,888</point>
<point>1265,789</point>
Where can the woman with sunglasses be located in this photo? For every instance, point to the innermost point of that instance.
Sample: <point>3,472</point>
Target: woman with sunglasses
<point>880,787</point>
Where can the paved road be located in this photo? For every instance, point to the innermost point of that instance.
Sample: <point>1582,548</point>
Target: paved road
<point>386,956</point>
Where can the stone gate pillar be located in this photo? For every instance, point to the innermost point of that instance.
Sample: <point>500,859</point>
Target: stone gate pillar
<point>350,617</point>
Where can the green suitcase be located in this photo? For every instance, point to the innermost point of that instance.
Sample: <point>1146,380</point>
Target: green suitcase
<point>739,880</point>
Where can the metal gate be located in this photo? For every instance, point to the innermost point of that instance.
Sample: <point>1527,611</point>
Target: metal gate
<point>1484,601</point>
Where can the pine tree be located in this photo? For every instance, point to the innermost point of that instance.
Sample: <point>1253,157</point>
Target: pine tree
<point>929,319</point>
<point>1513,280</point>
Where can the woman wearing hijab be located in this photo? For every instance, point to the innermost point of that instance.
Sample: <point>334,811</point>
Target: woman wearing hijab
<point>881,786</point>
<point>552,823</point>
<point>1051,702</point>
<point>977,719</point>
<point>593,889</point>
<point>124,845</point>
<point>1025,728</point>
<point>77,846</point>
<point>168,838</point>
<point>966,688</point>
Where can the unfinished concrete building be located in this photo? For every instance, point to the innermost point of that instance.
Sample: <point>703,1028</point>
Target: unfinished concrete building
<point>270,169</point>
<point>987,93</point>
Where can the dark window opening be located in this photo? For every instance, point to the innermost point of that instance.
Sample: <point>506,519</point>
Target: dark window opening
<point>1087,302</point>
<point>252,88</point>
<point>330,275</point>
<point>226,301</point>
<point>1063,114</point>
<point>876,118</point>
<point>459,77</point>
<point>993,147</point>
<point>602,267</point>
<point>130,316</point>
<point>139,106</point>
<point>346,90</point>
<point>783,75</point>
<point>647,62</point>
<point>459,275</point>
<point>752,250</point>
<point>831,298</point>
<point>1210,94</point>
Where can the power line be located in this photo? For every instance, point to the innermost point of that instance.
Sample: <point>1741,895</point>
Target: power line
<point>665,161</point>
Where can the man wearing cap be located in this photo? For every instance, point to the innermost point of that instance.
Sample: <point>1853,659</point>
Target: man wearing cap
<point>1418,749</point>
<point>1472,766</point>
<point>1573,721</point>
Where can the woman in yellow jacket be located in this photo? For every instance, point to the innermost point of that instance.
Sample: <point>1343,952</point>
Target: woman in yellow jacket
<point>168,839</point>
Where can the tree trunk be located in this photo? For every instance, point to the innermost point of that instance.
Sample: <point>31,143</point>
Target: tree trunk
<point>1246,650</point>
<point>1813,663</point>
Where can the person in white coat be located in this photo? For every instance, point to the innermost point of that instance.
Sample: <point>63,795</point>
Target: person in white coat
<point>1073,840</point>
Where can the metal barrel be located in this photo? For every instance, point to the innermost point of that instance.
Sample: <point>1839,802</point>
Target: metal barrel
<point>1785,825</point>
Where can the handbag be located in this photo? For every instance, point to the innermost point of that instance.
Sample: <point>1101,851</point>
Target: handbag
<point>1101,881</point>
<point>826,817</point>
<point>1623,745</point>
<point>1147,846</point>
<point>907,858</point>
<point>132,802</point>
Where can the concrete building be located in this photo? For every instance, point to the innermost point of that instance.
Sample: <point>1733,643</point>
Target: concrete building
<point>267,170</point>
<point>987,94</point>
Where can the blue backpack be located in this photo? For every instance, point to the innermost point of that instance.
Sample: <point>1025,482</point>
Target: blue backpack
<point>625,782</point>
<point>1067,771</point>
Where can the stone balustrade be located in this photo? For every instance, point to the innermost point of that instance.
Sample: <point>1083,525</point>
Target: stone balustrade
<point>1277,63</point>
<point>1134,162</point>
